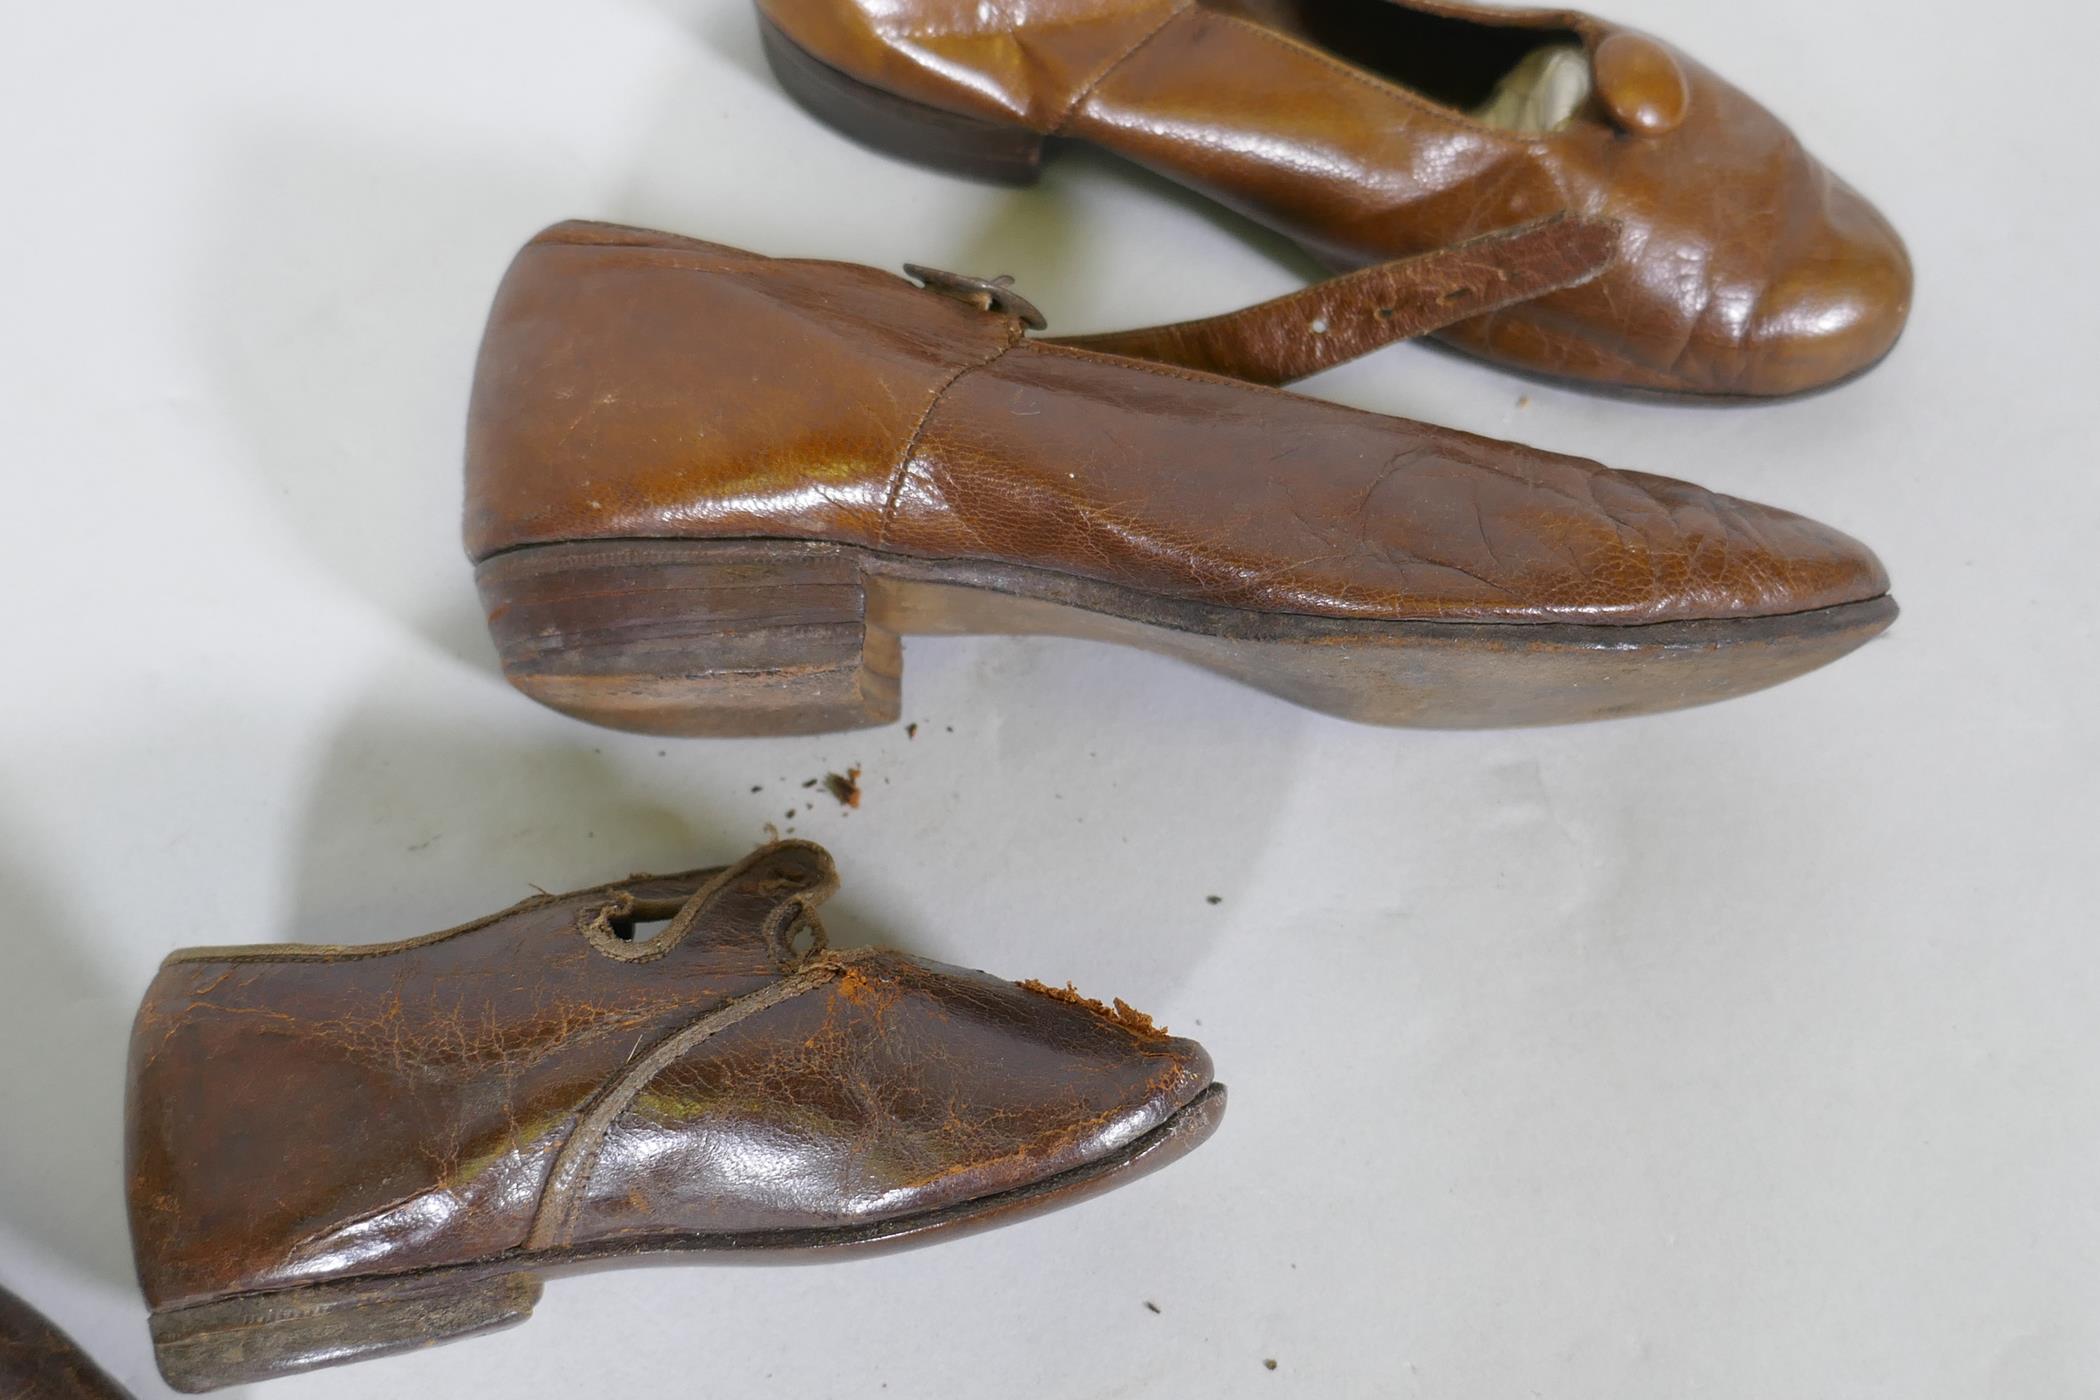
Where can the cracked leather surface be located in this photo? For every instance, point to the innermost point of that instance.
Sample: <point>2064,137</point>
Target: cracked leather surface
<point>1746,267</point>
<point>635,385</point>
<point>912,1087</point>
<point>299,1116</point>
<point>1295,336</point>
<point>39,1362</point>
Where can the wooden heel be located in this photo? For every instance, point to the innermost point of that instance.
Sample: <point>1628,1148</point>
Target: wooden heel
<point>738,637</point>
<point>983,150</point>
<point>255,1337</point>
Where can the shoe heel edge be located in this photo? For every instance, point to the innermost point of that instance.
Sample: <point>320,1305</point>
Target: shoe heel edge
<point>913,131</point>
<point>694,637</point>
<point>255,1337</point>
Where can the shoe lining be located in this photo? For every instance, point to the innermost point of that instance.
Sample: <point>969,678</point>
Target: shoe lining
<point>1520,77</point>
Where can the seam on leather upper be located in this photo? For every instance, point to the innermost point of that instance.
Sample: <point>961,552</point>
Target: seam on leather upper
<point>1016,336</point>
<point>1086,89</point>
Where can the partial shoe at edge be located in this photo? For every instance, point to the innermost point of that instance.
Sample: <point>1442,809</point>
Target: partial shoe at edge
<point>708,491</point>
<point>39,1362</point>
<point>1365,130</point>
<point>340,1152</point>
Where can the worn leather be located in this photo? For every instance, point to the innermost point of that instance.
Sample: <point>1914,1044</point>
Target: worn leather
<point>1296,336</point>
<point>300,1115</point>
<point>39,1362</point>
<point>1745,267</point>
<point>638,385</point>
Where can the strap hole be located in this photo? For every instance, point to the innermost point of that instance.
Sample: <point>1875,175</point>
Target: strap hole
<point>643,921</point>
<point>628,929</point>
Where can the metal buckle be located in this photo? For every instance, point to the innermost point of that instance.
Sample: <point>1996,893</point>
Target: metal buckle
<point>986,294</point>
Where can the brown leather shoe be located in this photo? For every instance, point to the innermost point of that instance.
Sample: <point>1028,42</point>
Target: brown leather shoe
<point>338,1152</point>
<point>1372,129</point>
<point>707,491</point>
<point>39,1362</point>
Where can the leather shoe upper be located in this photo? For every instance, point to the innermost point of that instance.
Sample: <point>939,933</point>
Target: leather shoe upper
<point>635,385</point>
<point>1745,267</point>
<point>543,1080</point>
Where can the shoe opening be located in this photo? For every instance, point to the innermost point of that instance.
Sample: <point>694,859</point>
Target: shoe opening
<point>1517,76</point>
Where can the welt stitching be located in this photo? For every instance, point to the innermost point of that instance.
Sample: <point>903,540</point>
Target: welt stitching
<point>911,446</point>
<point>1086,91</point>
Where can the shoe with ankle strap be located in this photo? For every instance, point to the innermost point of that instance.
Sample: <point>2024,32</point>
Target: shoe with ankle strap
<point>707,492</point>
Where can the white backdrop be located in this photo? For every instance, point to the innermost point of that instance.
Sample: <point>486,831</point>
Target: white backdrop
<point>1749,1052</point>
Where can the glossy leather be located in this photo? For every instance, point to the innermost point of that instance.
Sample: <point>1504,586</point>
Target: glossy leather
<point>1297,335</point>
<point>300,1115</point>
<point>39,1362</point>
<point>1641,84</point>
<point>638,385</point>
<point>1746,268</point>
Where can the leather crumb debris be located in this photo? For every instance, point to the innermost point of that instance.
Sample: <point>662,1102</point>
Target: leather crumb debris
<point>1121,1012</point>
<point>844,786</point>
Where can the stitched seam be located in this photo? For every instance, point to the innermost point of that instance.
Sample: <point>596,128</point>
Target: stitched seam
<point>1072,109</point>
<point>911,446</point>
<point>569,1177</point>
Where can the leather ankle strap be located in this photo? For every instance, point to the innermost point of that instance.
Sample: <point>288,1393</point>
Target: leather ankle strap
<point>1337,320</point>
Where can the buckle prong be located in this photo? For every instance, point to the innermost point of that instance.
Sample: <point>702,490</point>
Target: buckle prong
<point>984,293</point>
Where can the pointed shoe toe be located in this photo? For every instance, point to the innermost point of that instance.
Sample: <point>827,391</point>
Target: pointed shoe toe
<point>340,1152</point>
<point>709,493</point>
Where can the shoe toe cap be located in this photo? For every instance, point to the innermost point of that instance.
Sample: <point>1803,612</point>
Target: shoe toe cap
<point>1833,306</point>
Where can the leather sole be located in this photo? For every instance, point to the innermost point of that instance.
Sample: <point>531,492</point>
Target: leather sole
<point>766,637</point>
<point>256,1336</point>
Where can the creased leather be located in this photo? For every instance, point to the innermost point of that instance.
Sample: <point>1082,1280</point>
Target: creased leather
<point>302,1115</point>
<point>1744,268</point>
<point>639,390</point>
